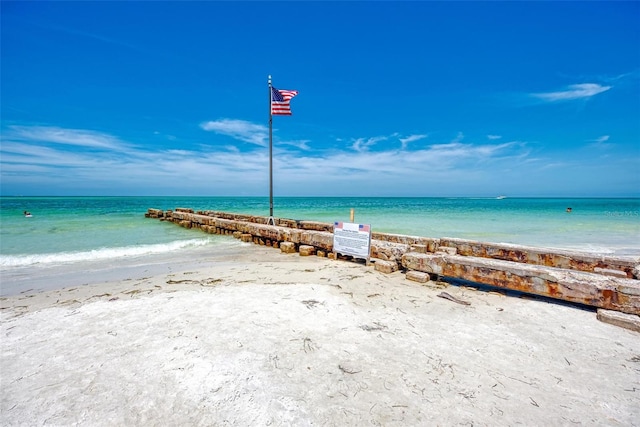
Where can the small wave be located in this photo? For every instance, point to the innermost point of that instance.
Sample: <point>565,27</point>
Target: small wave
<point>25,260</point>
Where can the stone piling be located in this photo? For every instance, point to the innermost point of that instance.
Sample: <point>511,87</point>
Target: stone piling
<point>606,282</point>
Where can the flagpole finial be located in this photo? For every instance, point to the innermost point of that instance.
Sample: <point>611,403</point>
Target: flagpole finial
<point>269,78</point>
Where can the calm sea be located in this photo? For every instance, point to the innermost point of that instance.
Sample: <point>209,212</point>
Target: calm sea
<point>91,233</point>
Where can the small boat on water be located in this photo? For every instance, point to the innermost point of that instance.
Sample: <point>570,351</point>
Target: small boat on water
<point>501,197</point>
<point>27,214</point>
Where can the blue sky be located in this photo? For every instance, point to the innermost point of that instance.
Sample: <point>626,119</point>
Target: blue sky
<point>395,98</point>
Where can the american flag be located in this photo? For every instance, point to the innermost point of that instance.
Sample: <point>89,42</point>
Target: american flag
<point>280,101</point>
<point>363,227</point>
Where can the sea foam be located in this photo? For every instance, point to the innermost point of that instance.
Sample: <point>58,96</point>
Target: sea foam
<point>24,260</point>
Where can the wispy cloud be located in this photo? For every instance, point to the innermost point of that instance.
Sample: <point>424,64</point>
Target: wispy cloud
<point>56,135</point>
<point>493,137</point>
<point>411,138</point>
<point>239,129</point>
<point>601,142</point>
<point>302,145</point>
<point>456,152</point>
<point>27,155</point>
<point>363,144</point>
<point>577,91</point>
<point>603,138</point>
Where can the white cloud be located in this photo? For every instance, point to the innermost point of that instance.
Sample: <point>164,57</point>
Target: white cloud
<point>302,145</point>
<point>577,91</point>
<point>239,129</point>
<point>25,158</point>
<point>363,144</point>
<point>494,137</point>
<point>411,138</point>
<point>456,153</point>
<point>439,168</point>
<point>78,137</point>
<point>124,171</point>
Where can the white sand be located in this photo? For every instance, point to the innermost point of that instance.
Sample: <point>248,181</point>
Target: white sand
<point>276,339</point>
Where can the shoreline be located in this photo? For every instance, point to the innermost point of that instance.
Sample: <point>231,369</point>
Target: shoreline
<point>43,278</point>
<point>273,338</point>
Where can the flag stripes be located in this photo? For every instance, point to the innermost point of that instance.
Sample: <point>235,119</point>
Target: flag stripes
<point>280,100</point>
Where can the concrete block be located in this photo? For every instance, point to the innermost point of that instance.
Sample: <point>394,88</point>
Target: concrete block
<point>418,276</point>
<point>624,320</point>
<point>386,266</point>
<point>288,247</point>
<point>611,293</point>
<point>306,250</point>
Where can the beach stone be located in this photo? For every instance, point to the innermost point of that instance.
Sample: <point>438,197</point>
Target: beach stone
<point>386,266</point>
<point>388,251</point>
<point>245,237</point>
<point>306,250</point>
<point>237,234</point>
<point>321,253</point>
<point>418,276</point>
<point>287,247</point>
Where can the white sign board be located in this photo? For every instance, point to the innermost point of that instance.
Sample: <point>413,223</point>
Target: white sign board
<point>352,239</point>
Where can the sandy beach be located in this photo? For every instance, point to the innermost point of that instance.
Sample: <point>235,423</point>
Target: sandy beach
<point>276,339</point>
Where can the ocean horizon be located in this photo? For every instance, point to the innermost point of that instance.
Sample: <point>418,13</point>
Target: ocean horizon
<point>96,234</point>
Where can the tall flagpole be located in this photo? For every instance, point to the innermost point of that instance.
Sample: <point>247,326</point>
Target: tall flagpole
<point>271,220</point>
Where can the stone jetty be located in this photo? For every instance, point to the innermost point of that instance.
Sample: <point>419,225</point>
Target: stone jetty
<point>606,282</point>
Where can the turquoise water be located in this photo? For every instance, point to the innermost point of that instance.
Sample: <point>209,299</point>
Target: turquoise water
<point>75,229</point>
<point>72,241</point>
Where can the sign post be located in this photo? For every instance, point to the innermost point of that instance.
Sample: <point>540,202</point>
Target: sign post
<point>352,239</point>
